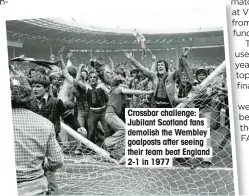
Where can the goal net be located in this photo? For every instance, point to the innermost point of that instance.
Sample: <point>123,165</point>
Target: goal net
<point>100,171</point>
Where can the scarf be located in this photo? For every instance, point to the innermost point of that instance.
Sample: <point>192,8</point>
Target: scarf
<point>161,89</point>
<point>94,95</point>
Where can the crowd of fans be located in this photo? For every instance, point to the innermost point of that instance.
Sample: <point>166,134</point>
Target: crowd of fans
<point>91,99</point>
<point>199,57</point>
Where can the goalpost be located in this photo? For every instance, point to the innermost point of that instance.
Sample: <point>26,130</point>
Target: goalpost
<point>96,172</point>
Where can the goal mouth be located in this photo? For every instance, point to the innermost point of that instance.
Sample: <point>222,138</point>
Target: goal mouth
<point>96,170</point>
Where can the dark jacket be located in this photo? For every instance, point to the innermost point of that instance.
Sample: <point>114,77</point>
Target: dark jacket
<point>53,109</point>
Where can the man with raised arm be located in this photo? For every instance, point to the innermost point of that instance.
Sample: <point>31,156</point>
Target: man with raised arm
<point>163,82</point>
<point>115,107</point>
<point>69,72</point>
<point>80,95</point>
<point>96,95</point>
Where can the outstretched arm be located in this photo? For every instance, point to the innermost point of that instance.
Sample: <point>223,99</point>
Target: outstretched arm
<point>146,72</point>
<point>71,59</point>
<point>78,73</point>
<point>77,80</point>
<point>67,76</point>
<point>183,67</point>
<point>83,85</point>
<point>136,92</point>
<point>64,68</point>
<point>62,64</point>
<point>112,64</point>
<point>153,66</point>
<point>103,86</point>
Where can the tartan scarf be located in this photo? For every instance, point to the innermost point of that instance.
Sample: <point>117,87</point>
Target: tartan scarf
<point>161,90</point>
<point>94,94</point>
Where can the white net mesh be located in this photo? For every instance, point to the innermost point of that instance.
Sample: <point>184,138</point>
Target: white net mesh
<point>212,100</point>
<point>100,172</point>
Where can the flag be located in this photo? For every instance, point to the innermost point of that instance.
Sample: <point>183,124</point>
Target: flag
<point>141,40</point>
<point>43,63</point>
